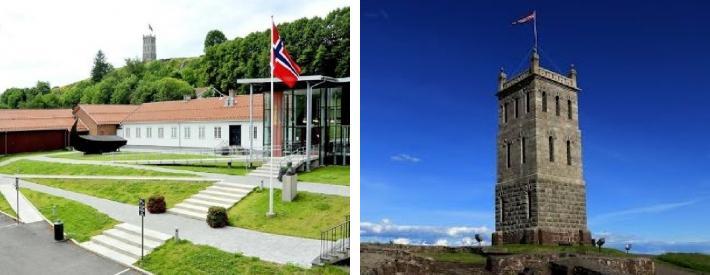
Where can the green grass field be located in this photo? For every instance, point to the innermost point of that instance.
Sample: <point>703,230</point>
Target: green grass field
<point>339,175</point>
<point>5,206</point>
<point>52,168</point>
<point>694,261</point>
<point>306,216</point>
<point>81,221</point>
<point>6,157</point>
<point>456,257</point>
<point>134,156</point>
<point>581,249</point>
<point>237,169</point>
<point>129,191</point>
<point>183,257</point>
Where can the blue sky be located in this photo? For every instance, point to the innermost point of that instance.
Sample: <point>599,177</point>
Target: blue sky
<point>428,115</point>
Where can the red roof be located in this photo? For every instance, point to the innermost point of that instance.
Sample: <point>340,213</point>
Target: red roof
<point>107,114</point>
<point>201,109</point>
<point>36,119</point>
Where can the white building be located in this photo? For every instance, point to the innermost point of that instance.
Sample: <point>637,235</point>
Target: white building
<point>197,123</point>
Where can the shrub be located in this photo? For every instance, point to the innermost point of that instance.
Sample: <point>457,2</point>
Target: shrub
<point>217,217</point>
<point>156,204</point>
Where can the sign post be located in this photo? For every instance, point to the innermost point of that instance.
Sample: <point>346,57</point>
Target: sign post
<point>17,197</point>
<point>141,212</point>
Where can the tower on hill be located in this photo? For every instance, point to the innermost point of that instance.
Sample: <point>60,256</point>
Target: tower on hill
<point>149,46</point>
<point>540,192</point>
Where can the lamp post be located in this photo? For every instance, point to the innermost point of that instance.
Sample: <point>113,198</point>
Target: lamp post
<point>141,212</point>
<point>17,197</point>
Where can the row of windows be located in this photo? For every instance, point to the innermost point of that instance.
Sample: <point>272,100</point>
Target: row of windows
<point>523,151</point>
<point>516,106</point>
<point>173,132</point>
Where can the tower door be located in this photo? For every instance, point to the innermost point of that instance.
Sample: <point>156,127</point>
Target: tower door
<point>235,135</point>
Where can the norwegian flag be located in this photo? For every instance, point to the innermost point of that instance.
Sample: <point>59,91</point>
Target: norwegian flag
<point>525,19</point>
<point>282,65</point>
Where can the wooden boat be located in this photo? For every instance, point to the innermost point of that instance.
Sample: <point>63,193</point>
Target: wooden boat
<point>91,144</point>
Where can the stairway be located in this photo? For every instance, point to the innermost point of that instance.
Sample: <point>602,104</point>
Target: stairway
<point>224,194</point>
<point>339,251</point>
<point>267,170</point>
<point>123,243</point>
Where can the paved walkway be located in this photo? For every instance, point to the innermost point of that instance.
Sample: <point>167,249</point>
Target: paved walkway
<point>28,213</point>
<point>28,176</point>
<point>30,249</point>
<point>269,247</point>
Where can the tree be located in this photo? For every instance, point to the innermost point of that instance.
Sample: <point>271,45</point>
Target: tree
<point>214,37</point>
<point>101,67</point>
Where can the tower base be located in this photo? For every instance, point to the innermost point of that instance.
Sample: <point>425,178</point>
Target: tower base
<point>542,236</point>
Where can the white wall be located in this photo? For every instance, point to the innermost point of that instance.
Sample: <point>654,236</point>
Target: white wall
<point>208,141</point>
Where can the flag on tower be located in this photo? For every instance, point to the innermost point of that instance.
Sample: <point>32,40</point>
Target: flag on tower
<point>282,65</point>
<point>525,19</point>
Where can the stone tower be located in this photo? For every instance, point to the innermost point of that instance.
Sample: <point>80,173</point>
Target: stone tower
<point>148,47</point>
<point>540,192</point>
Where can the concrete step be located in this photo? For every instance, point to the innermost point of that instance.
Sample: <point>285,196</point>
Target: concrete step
<point>263,175</point>
<point>130,238</point>
<point>234,185</point>
<point>229,190</point>
<point>196,201</point>
<point>207,197</point>
<point>109,253</point>
<point>224,194</point>
<point>192,207</point>
<point>119,246</point>
<point>149,234</point>
<point>188,213</point>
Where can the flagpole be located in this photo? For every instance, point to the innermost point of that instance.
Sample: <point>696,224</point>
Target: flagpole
<point>271,119</point>
<point>535,27</point>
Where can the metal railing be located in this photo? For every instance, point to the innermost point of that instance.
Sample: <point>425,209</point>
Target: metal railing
<point>335,240</point>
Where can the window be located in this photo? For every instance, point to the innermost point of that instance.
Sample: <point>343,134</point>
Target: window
<point>529,195</point>
<point>569,154</point>
<point>522,150</point>
<point>557,105</point>
<point>569,109</point>
<point>505,112</point>
<point>187,132</point>
<point>138,132</point>
<point>160,132</point>
<point>516,107</point>
<point>201,132</point>
<point>544,102</point>
<point>148,132</point>
<point>173,132</point>
<point>128,132</point>
<point>551,148</point>
<point>502,210</point>
<point>217,132</point>
<point>507,155</point>
<point>527,102</point>
<point>254,135</point>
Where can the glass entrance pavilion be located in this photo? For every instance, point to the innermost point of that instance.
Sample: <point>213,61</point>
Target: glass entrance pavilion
<point>318,103</point>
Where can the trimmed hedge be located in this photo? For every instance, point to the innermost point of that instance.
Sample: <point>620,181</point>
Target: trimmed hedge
<point>217,217</point>
<point>156,204</point>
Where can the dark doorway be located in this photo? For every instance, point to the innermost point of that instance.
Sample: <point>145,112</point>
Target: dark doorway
<point>235,135</point>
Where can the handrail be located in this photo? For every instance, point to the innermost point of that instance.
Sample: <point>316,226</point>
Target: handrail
<point>335,239</point>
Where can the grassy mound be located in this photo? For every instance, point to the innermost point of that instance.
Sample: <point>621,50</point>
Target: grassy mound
<point>694,261</point>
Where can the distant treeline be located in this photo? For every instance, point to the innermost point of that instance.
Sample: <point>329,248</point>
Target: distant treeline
<point>319,45</point>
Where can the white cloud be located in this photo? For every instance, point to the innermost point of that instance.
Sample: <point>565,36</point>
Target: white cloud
<point>643,210</point>
<point>401,241</point>
<point>405,157</point>
<point>386,231</point>
<point>56,41</point>
<point>650,246</point>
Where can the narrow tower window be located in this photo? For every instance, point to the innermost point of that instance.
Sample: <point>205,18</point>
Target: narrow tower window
<point>529,195</point>
<point>569,109</point>
<point>551,148</point>
<point>516,106</point>
<point>505,112</point>
<point>544,102</point>
<point>569,154</point>
<point>557,105</point>
<point>522,150</point>
<point>502,210</point>
<point>527,102</point>
<point>507,155</point>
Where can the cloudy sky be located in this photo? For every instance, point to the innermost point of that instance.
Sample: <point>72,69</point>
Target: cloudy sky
<point>56,41</point>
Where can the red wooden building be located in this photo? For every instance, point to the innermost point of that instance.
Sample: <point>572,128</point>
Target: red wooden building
<point>35,130</point>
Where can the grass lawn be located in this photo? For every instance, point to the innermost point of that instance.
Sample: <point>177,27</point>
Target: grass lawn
<point>580,249</point>
<point>694,261</point>
<point>6,157</point>
<point>339,175</point>
<point>52,168</point>
<point>5,206</point>
<point>134,156</point>
<point>238,168</point>
<point>81,221</point>
<point>456,257</point>
<point>306,216</point>
<point>183,257</point>
<point>129,191</point>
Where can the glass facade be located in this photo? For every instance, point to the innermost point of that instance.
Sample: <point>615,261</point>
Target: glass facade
<point>330,130</point>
